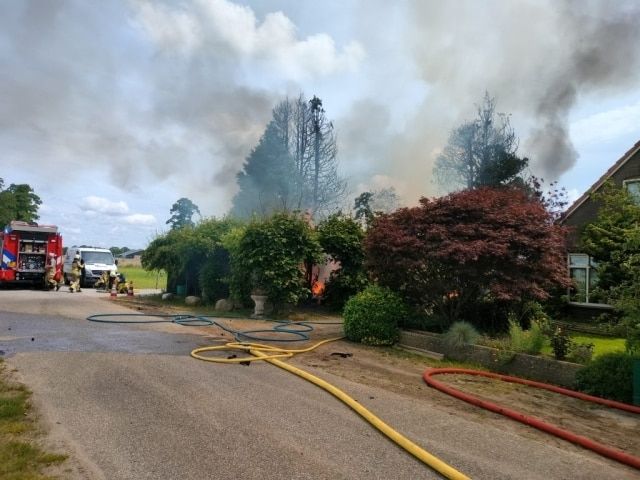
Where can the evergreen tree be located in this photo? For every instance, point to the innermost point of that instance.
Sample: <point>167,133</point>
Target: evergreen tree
<point>481,153</point>
<point>298,164</point>
<point>267,180</point>
<point>182,213</point>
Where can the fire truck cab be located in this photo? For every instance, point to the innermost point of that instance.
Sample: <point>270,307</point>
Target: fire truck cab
<point>25,251</point>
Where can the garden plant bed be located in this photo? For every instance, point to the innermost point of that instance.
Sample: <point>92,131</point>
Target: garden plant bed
<point>399,371</point>
<point>538,368</point>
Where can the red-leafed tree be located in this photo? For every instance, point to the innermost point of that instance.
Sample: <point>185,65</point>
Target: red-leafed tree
<point>468,248</point>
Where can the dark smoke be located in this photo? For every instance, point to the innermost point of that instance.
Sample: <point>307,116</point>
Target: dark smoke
<point>536,58</point>
<point>86,89</point>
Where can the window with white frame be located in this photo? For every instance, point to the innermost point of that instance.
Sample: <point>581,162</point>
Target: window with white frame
<point>582,269</point>
<point>633,187</point>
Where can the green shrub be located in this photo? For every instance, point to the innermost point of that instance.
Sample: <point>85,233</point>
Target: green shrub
<point>526,341</point>
<point>341,239</point>
<point>371,317</point>
<point>581,352</point>
<point>632,343</point>
<point>560,343</point>
<point>460,334</point>
<point>516,336</point>
<point>531,311</point>
<point>214,275</point>
<point>608,376</point>
<point>504,354</point>
<point>269,255</point>
<point>183,253</point>
<point>342,285</point>
<point>537,336</point>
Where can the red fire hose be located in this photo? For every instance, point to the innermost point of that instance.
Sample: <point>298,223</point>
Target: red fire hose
<point>604,450</point>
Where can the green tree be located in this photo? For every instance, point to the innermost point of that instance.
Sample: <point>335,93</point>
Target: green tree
<point>26,202</point>
<point>270,254</point>
<point>266,181</point>
<point>341,238</point>
<point>610,239</point>
<point>182,213</point>
<point>481,152</point>
<point>613,240</point>
<point>7,207</point>
<point>18,202</point>
<point>194,257</point>
<point>362,208</point>
<point>214,265</point>
<point>294,167</point>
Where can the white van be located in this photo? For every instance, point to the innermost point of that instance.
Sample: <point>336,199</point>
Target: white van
<point>96,261</point>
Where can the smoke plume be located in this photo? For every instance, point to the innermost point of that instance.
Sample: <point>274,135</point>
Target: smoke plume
<point>536,57</point>
<point>177,93</point>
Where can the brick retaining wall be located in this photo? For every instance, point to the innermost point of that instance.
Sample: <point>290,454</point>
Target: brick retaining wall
<point>533,367</point>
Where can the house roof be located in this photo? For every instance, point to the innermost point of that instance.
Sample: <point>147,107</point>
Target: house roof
<point>131,253</point>
<point>614,168</point>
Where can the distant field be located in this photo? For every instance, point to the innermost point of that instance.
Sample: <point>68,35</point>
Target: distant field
<point>143,279</point>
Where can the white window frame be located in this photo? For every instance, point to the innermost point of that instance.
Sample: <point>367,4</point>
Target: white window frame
<point>630,180</point>
<point>588,268</point>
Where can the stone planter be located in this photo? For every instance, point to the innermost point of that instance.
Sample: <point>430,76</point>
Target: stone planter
<point>259,300</point>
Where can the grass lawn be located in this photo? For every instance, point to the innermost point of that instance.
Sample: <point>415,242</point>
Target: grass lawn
<point>144,279</point>
<point>602,345</point>
<point>20,457</point>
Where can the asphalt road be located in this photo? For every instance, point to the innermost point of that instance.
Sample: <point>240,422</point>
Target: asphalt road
<point>127,402</point>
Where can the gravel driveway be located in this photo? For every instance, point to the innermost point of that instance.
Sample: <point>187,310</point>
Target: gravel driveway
<point>127,402</point>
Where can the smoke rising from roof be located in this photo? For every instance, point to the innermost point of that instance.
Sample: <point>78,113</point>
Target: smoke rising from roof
<point>536,57</point>
<point>148,92</point>
<point>179,92</point>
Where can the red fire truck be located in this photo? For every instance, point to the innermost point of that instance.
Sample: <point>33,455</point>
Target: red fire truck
<point>25,252</point>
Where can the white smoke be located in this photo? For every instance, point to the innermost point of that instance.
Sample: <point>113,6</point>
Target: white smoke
<point>175,94</point>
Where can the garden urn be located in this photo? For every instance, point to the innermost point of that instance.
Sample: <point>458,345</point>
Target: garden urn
<point>259,299</point>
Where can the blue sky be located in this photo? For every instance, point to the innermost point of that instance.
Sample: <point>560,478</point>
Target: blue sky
<point>113,110</point>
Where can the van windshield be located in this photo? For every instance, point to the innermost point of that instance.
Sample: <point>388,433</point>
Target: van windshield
<point>98,257</point>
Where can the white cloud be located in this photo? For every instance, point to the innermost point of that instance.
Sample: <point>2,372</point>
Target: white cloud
<point>140,219</point>
<point>208,25</point>
<point>606,126</point>
<point>104,205</point>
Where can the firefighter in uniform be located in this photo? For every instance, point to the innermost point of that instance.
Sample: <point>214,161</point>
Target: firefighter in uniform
<point>103,281</point>
<point>76,272</point>
<point>116,282</point>
<point>50,273</point>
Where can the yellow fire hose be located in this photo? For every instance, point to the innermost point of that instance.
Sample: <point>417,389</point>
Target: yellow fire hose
<point>273,355</point>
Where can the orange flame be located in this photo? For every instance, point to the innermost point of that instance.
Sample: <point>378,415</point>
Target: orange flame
<point>317,289</point>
